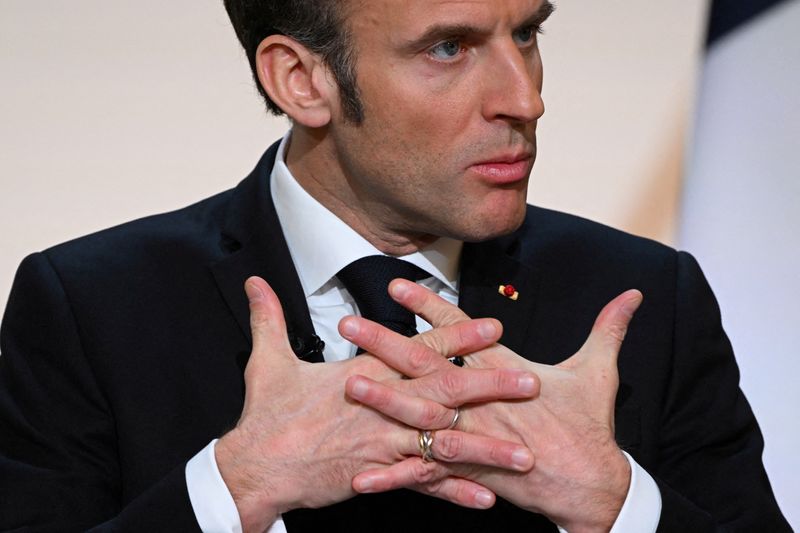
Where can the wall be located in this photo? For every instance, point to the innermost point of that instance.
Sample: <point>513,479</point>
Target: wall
<point>115,110</point>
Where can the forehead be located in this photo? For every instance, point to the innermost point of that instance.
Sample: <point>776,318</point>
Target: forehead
<point>399,19</point>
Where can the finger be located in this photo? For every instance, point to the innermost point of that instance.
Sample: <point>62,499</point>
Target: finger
<point>609,330</point>
<point>462,338</point>
<point>611,326</point>
<point>267,324</point>
<point>451,446</point>
<point>408,357</point>
<point>461,492</point>
<point>421,301</point>
<point>459,386</point>
<point>411,472</point>
<point>425,353</point>
<point>427,478</point>
<point>429,401</point>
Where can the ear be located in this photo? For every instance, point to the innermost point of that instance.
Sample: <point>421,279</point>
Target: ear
<point>296,80</point>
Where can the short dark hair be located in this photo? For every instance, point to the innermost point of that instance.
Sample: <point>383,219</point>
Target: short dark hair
<point>319,25</point>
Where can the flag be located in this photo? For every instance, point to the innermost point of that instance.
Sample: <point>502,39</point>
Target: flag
<point>740,212</point>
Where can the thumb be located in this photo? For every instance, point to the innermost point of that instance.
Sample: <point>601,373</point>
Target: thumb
<point>604,341</point>
<point>267,324</point>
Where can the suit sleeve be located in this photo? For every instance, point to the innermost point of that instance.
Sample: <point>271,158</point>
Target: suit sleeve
<point>710,471</point>
<point>59,464</point>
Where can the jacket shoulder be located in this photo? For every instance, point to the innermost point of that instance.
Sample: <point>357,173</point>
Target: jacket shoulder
<point>191,232</point>
<point>547,235</point>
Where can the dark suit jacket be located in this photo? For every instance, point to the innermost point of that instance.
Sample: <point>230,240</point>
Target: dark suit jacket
<point>123,353</point>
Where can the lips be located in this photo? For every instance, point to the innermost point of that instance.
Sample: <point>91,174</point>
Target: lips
<point>505,169</point>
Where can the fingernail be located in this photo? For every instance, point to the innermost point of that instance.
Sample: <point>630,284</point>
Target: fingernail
<point>359,389</point>
<point>365,484</point>
<point>526,384</point>
<point>487,330</point>
<point>398,290</point>
<point>630,306</point>
<point>484,498</point>
<point>521,458</point>
<point>350,327</point>
<point>253,292</point>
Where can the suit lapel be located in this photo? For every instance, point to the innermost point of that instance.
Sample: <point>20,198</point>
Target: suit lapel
<point>253,238</point>
<point>484,268</point>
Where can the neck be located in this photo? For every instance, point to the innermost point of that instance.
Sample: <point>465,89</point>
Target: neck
<point>313,163</point>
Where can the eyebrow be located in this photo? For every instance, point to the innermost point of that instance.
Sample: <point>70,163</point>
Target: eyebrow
<point>440,32</point>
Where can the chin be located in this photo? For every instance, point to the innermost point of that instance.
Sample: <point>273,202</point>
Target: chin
<point>486,228</point>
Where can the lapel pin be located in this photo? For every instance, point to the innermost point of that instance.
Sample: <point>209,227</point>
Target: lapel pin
<point>508,291</point>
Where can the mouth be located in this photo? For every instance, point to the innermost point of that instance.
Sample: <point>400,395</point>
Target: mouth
<point>505,169</point>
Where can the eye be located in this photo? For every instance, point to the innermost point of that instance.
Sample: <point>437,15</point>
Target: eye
<point>446,50</point>
<point>526,35</point>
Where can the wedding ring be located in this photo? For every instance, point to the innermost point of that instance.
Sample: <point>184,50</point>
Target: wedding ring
<point>455,419</point>
<point>425,439</point>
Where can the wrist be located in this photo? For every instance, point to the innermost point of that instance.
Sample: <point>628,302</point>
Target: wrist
<point>255,500</point>
<point>607,498</point>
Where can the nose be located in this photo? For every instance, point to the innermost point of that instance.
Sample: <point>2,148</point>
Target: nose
<point>514,85</point>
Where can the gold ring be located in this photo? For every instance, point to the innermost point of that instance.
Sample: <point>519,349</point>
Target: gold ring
<point>425,440</point>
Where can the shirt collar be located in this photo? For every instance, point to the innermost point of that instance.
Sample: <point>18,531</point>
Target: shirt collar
<point>321,244</point>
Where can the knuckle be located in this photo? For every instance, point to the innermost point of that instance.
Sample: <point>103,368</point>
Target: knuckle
<point>381,398</point>
<point>452,386</point>
<point>436,488</point>
<point>443,317</point>
<point>418,358</point>
<point>465,332</point>
<point>429,415</point>
<point>503,381</point>
<point>373,337</point>
<point>424,473</point>
<point>447,314</point>
<point>251,379</point>
<point>459,494</point>
<point>258,316</point>
<point>616,333</point>
<point>432,340</point>
<point>496,454</point>
<point>449,446</point>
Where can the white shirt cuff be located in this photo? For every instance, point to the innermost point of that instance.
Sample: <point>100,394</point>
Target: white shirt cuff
<point>642,508</point>
<point>216,511</point>
<point>211,500</point>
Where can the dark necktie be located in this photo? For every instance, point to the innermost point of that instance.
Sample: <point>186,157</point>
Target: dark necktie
<point>367,279</point>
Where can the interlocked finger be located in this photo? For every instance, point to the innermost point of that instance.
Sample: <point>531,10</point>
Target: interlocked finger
<point>446,447</point>
<point>425,353</point>
<point>429,402</point>
<point>460,491</point>
<point>451,446</point>
<point>427,478</point>
<point>430,306</point>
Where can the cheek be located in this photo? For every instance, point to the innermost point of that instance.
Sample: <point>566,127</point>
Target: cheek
<point>419,109</point>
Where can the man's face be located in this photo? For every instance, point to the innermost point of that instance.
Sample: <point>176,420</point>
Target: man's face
<point>451,93</point>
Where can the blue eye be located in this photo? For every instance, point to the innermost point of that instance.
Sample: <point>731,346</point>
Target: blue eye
<point>525,35</point>
<point>446,50</point>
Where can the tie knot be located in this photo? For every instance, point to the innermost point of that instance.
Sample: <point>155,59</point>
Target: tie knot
<point>367,279</point>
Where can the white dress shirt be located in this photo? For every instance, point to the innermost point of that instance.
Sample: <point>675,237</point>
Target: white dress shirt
<point>320,245</point>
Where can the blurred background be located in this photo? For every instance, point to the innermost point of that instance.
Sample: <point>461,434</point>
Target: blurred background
<point>677,121</point>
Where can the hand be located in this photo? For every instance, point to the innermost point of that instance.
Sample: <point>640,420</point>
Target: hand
<point>581,478</point>
<point>300,441</point>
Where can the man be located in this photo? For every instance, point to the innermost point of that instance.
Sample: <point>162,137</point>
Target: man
<point>126,353</point>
